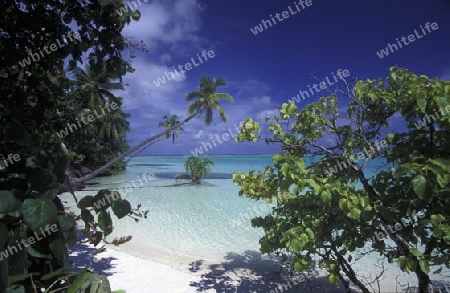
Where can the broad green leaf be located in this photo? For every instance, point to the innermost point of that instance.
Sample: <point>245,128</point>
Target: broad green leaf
<point>57,273</point>
<point>442,101</point>
<point>415,252</point>
<point>419,185</point>
<point>326,197</point>
<point>424,266</point>
<point>333,279</point>
<point>310,233</point>
<point>37,213</point>
<point>402,262</point>
<point>86,202</point>
<point>355,214</point>
<point>79,281</point>
<point>66,222</point>
<point>422,103</point>
<point>436,220</point>
<point>105,222</point>
<point>10,200</point>
<point>121,207</point>
<point>59,250</point>
<point>296,245</point>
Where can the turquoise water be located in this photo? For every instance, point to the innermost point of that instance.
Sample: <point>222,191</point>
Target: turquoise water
<point>201,222</point>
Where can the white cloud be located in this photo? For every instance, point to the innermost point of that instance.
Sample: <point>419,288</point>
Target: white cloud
<point>264,100</point>
<point>167,22</point>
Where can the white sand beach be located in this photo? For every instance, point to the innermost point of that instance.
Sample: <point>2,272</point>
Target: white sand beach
<point>247,274</point>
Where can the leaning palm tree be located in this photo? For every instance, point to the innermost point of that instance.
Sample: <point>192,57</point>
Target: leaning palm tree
<point>203,102</point>
<point>169,123</point>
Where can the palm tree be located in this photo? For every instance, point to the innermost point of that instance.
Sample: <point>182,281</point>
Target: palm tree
<point>170,121</point>
<point>98,83</point>
<point>198,168</point>
<point>168,124</point>
<point>207,95</point>
<point>206,103</point>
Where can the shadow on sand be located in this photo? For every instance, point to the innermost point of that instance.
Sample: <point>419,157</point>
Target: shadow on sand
<point>251,272</point>
<point>81,257</point>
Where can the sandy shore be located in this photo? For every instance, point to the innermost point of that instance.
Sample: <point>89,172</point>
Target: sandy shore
<point>238,273</point>
<point>146,269</point>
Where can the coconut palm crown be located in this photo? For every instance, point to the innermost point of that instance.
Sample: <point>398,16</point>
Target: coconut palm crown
<point>206,99</point>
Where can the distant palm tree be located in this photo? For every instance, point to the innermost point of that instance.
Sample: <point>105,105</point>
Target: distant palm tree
<point>171,121</point>
<point>204,102</point>
<point>198,168</point>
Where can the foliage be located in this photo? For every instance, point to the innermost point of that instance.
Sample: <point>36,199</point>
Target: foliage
<point>38,100</point>
<point>333,215</point>
<point>198,168</point>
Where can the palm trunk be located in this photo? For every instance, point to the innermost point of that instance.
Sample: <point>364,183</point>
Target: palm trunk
<point>94,174</point>
<point>143,149</point>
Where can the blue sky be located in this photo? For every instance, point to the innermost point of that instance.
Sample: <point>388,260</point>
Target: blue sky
<point>265,70</point>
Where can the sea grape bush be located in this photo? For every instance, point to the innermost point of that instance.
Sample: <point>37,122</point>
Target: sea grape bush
<point>333,217</point>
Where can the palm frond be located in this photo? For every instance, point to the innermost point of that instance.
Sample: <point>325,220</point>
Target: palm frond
<point>192,95</point>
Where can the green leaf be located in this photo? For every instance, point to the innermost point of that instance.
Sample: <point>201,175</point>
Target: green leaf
<point>10,200</point>
<point>310,233</point>
<point>285,169</point>
<point>424,266</point>
<point>390,138</point>
<point>442,101</point>
<point>59,251</point>
<point>415,252</point>
<point>66,222</point>
<point>296,245</point>
<point>419,185</point>
<point>57,273</point>
<point>79,281</point>
<point>355,214</point>
<point>333,279</point>
<point>402,262</point>
<point>121,207</point>
<point>422,103</point>
<point>436,220</point>
<point>326,197</point>
<point>136,15</point>
<point>37,213</point>
<point>105,222</point>
<point>85,202</point>
<point>443,163</point>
